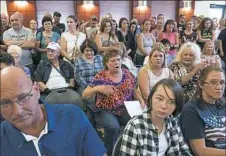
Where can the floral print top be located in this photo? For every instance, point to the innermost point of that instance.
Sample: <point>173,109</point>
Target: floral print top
<point>210,60</point>
<point>179,71</point>
<point>123,91</point>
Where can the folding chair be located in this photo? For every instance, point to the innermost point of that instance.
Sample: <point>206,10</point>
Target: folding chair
<point>65,96</point>
<point>117,146</point>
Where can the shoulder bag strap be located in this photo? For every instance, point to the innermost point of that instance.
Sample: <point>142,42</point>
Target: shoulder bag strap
<point>58,71</point>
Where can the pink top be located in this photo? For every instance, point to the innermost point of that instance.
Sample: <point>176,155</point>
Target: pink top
<point>172,40</point>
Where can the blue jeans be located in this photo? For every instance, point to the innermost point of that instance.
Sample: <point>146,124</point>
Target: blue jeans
<point>111,124</point>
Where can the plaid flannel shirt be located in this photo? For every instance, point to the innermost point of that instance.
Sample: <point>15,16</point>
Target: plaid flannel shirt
<point>140,137</point>
<point>85,71</point>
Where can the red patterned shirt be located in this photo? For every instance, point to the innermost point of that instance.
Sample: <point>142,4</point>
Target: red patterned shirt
<point>123,91</point>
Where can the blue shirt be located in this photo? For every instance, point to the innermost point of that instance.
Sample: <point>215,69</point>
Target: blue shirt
<point>69,133</point>
<point>200,120</point>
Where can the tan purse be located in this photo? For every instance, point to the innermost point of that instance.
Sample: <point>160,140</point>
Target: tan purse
<point>76,51</point>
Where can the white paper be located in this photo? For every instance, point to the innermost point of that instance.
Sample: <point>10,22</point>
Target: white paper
<point>133,108</point>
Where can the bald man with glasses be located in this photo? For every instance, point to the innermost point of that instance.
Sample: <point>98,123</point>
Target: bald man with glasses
<point>32,128</point>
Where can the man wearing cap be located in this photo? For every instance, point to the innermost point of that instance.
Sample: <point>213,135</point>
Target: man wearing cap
<point>54,73</point>
<point>56,22</point>
<point>91,31</point>
<point>34,128</point>
<point>55,28</point>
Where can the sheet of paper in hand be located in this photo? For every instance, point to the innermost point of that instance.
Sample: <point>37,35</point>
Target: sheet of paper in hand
<point>133,108</point>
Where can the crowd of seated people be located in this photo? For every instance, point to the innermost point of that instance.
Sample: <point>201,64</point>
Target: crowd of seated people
<point>175,70</point>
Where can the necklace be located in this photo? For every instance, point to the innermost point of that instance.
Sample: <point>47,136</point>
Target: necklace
<point>212,113</point>
<point>147,37</point>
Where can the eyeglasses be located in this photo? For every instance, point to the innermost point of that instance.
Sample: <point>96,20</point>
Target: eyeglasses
<point>215,83</point>
<point>8,104</point>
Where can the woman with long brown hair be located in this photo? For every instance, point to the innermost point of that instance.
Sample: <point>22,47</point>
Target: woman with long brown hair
<point>145,42</point>
<point>106,39</point>
<point>71,40</point>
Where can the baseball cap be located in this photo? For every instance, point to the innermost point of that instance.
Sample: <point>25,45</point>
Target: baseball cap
<point>54,46</point>
<point>56,13</point>
<point>93,17</point>
<point>202,16</point>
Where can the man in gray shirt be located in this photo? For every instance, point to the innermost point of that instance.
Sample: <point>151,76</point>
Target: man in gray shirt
<point>21,36</point>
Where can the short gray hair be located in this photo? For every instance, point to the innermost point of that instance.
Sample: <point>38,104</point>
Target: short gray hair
<point>14,49</point>
<point>18,14</point>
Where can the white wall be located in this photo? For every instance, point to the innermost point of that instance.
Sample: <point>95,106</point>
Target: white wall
<point>203,8</point>
<point>118,9</point>
<point>66,8</point>
<point>167,8</point>
<point>4,7</point>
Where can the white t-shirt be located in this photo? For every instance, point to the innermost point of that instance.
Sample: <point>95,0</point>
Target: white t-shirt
<point>130,65</point>
<point>56,80</point>
<point>146,60</point>
<point>163,144</point>
<point>35,140</point>
<point>72,39</point>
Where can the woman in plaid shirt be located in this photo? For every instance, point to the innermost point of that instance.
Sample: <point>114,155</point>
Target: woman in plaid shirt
<point>156,132</point>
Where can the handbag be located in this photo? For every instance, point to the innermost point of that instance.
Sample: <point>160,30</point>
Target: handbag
<point>59,72</point>
<point>76,52</point>
<point>36,56</point>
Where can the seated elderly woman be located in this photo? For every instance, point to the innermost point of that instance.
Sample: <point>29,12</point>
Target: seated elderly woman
<point>126,60</point>
<point>112,87</point>
<point>186,67</point>
<point>203,117</point>
<point>16,52</point>
<point>54,73</point>
<point>88,65</point>
<point>153,71</point>
<point>157,131</point>
<point>209,56</point>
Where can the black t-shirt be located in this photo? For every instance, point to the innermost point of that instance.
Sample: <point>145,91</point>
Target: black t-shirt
<point>180,27</point>
<point>199,120</point>
<point>188,37</point>
<point>222,37</point>
<point>61,26</point>
<point>206,34</point>
<point>128,40</point>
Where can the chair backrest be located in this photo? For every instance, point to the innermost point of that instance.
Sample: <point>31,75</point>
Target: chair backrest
<point>65,96</point>
<point>117,146</point>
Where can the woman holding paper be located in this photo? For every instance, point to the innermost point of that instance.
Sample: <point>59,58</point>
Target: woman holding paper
<point>156,132</point>
<point>153,71</point>
<point>112,87</point>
